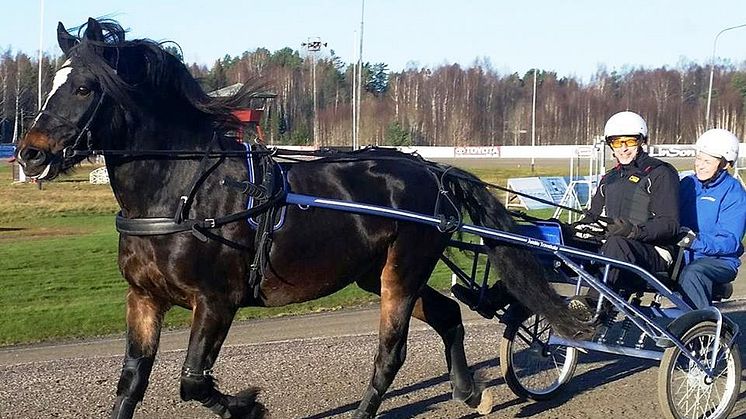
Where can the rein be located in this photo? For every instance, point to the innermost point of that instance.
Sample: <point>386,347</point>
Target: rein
<point>317,153</point>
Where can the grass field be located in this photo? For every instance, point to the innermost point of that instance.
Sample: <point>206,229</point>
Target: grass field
<point>58,261</point>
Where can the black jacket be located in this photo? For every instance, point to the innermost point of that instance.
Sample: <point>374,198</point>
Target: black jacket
<point>646,181</point>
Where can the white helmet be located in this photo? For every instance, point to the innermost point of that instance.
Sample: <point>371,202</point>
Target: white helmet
<point>626,123</point>
<point>719,143</point>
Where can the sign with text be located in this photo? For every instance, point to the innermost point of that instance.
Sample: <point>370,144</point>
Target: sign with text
<point>672,150</point>
<point>477,151</point>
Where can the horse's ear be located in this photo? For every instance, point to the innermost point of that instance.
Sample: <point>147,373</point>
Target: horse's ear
<point>64,38</point>
<point>93,30</point>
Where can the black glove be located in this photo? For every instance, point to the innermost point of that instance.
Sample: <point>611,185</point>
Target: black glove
<point>623,228</point>
<point>687,240</point>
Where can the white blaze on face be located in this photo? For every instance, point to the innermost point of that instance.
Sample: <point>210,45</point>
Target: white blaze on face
<point>59,79</point>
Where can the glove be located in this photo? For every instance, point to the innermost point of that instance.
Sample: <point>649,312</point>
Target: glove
<point>583,230</point>
<point>623,228</point>
<point>687,240</point>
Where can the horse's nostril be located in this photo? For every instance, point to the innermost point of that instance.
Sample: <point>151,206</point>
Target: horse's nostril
<point>34,156</point>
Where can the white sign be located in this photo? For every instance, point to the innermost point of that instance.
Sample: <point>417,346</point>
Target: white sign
<point>479,151</point>
<point>672,150</point>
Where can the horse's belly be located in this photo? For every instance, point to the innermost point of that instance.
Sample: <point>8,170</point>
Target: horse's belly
<point>281,291</point>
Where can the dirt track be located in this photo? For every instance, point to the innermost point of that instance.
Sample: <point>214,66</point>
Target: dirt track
<point>315,367</point>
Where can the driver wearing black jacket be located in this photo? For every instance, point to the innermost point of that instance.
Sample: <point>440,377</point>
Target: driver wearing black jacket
<point>640,198</point>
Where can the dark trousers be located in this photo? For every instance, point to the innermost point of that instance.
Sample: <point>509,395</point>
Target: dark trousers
<point>697,278</point>
<point>635,252</point>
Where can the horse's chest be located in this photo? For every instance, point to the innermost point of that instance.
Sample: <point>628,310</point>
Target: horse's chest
<point>147,264</point>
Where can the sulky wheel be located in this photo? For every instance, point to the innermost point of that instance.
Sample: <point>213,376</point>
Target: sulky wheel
<point>532,368</point>
<point>685,391</point>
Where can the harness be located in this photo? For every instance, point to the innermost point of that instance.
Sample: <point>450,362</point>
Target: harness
<point>266,198</point>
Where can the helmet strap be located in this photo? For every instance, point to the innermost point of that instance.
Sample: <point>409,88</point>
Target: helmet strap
<point>716,175</point>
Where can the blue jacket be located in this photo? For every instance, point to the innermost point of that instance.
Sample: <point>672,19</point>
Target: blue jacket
<point>717,212</point>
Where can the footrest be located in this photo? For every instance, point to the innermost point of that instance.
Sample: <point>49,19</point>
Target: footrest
<point>470,297</point>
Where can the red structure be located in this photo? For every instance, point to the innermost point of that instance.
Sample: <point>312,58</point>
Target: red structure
<point>252,118</point>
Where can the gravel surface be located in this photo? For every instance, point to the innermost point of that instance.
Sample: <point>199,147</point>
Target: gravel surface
<point>316,367</point>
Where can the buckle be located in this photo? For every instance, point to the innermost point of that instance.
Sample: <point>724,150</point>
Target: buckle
<point>68,152</point>
<point>210,223</point>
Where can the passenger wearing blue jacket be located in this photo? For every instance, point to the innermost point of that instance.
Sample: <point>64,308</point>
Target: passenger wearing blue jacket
<point>712,205</point>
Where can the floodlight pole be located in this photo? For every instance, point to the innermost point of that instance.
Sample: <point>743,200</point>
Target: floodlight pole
<point>353,101</point>
<point>41,56</point>
<point>712,73</point>
<point>359,80</point>
<point>313,46</point>
<point>533,124</point>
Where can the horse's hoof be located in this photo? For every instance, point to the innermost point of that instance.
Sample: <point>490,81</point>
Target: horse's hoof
<point>245,406</point>
<point>485,406</point>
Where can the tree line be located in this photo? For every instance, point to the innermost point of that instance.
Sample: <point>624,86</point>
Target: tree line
<point>450,105</point>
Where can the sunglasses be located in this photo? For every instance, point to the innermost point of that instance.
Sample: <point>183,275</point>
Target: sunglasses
<point>618,142</point>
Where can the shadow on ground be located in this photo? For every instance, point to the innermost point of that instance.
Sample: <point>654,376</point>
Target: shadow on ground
<point>614,368</point>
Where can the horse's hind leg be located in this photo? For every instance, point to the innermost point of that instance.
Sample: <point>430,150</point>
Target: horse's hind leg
<point>210,324</point>
<point>444,315</point>
<point>397,300</point>
<point>144,317</point>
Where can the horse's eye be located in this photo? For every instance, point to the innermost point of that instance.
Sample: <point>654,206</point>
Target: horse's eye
<point>83,91</point>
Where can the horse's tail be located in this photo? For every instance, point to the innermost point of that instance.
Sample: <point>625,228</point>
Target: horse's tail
<point>521,274</point>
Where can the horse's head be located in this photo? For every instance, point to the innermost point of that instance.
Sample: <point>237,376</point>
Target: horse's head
<point>115,94</point>
<point>73,105</point>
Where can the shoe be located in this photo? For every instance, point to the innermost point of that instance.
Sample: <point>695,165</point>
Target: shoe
<point>483,306</point>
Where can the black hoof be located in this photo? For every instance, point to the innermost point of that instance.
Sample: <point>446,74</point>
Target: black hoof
<point>474,397</point>
<point>244,405</point>
<point>479,398</point>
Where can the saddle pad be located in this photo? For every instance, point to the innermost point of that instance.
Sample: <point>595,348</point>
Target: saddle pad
<point>252,202</point>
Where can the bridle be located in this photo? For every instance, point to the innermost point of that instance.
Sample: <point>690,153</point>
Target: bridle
<point>70,151</point>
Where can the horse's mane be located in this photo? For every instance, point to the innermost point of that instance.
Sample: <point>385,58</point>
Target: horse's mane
<point>163,73</point>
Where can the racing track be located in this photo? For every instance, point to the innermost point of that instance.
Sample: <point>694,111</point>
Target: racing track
<point>316,366</point>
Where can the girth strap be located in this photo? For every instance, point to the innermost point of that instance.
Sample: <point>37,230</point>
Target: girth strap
<point>149,226</point>
<point>154,226</point>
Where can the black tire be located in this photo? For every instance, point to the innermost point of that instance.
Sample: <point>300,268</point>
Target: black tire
<point>682,389</point>
<point>531,367</point>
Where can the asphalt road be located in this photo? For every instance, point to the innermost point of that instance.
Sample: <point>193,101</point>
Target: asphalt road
<point>316,366</point>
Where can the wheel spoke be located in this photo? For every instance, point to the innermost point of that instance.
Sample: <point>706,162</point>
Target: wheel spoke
<point>691,393</point>
<point>538,368</point>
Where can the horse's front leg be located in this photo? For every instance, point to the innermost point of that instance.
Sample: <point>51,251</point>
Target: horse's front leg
<point>210,324</point>
<point>144,317</point>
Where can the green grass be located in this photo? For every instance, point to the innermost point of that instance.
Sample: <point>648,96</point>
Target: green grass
<point>59,277</point>
<point>69,286</point>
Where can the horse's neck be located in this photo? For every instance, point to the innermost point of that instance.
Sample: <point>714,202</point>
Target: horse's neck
<point>152,187</point>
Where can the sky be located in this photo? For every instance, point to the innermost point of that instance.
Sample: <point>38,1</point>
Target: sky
<point>573,38</point>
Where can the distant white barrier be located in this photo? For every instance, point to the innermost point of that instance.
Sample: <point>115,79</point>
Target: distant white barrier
<point>540,152</point>
<point>544,152</point>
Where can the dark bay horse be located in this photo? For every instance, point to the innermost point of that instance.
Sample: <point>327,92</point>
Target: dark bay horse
<point>126,96</point>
